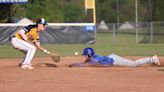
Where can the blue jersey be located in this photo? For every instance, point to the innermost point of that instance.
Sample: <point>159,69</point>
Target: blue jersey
<point>101,60</point>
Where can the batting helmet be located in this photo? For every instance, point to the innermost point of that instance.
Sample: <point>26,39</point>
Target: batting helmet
<point>41,21</point>
<point>88,51</point>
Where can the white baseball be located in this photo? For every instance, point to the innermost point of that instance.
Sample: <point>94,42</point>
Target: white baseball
<point>76,53</point>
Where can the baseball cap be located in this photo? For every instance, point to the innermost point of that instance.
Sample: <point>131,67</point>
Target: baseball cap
<point>88,51</point>
<point>41,21</point>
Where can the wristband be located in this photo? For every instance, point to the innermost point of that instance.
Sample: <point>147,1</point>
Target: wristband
<point>47,52</point>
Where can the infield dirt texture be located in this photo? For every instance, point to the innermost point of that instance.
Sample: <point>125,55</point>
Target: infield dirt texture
<point>57,77</point>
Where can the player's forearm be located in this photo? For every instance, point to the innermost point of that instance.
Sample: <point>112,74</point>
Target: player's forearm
<point>82,64</point>
<point>37,44</point>
<point>43,49</point>
<point>77,65</point>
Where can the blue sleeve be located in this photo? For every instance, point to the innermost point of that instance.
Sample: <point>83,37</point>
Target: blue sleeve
<point>92,62</point>
<point>95,60</point>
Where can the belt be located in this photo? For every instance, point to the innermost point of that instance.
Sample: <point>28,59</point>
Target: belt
<point>11,37</point>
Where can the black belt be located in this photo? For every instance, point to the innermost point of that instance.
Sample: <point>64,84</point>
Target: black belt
<point>11,37</point>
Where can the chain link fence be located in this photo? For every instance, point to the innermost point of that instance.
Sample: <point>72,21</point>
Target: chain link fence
<point>145,32</point>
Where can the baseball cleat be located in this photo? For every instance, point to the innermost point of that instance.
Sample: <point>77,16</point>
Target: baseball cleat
<point>156,60</point>
<point>19,64</point>
<point>27,67</point>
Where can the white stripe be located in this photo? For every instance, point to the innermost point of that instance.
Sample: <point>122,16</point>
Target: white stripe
<point>13,1</point>
<point>49,24</point>
<point>42,21</point>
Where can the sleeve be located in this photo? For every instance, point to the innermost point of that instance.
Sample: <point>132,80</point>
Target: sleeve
<point>28,28</point>
<point>22,34</point>
<point>94,61</point>
<point>25,29</point>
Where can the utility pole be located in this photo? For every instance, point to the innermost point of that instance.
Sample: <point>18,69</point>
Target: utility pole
<point>150,20</point>
<point>136,19</point>
<point>118,12</point>
<point>150,10</point>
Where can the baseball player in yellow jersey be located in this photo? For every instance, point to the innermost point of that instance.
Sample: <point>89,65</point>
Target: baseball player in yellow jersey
<point>27,40</point>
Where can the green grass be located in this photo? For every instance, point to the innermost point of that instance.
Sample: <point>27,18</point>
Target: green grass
<point>125,45</point>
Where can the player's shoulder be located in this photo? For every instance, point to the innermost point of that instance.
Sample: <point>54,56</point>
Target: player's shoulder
<point>96,56</point>
<point>29,27</point>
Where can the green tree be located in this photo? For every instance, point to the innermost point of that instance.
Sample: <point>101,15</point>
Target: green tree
<point>72,13</point>
<point>107,10</point>
<point>73,10</point>
<point>6,12</point>
<point>52,10</point>
<point>158,10</point>
<point>32,10</point>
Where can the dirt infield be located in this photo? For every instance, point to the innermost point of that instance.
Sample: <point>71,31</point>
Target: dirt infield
<point>57,77</point>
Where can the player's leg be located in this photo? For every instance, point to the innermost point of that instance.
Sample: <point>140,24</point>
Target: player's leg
<point>126,62</point>
<point>22,45</point>
<point>149,60</point>
<point>24,52</point>
<point>29,55</point>
<point>122,61</point>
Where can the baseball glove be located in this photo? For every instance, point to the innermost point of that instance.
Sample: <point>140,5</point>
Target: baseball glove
<point>55,58</point>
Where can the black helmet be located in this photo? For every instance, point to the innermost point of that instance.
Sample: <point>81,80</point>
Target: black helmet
<point>41,21</point>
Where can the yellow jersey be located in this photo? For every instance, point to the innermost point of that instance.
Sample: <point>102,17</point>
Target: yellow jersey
<point>31,33</point>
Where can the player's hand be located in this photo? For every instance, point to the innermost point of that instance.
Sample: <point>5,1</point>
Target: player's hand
<point>88,60</point>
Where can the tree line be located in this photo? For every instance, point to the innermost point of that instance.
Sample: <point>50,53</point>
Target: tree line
<point>61,11</point>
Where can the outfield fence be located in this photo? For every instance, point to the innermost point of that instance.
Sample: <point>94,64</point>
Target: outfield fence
<point>56,33</point>
<point>145,32</point>
<point>88,33</point>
